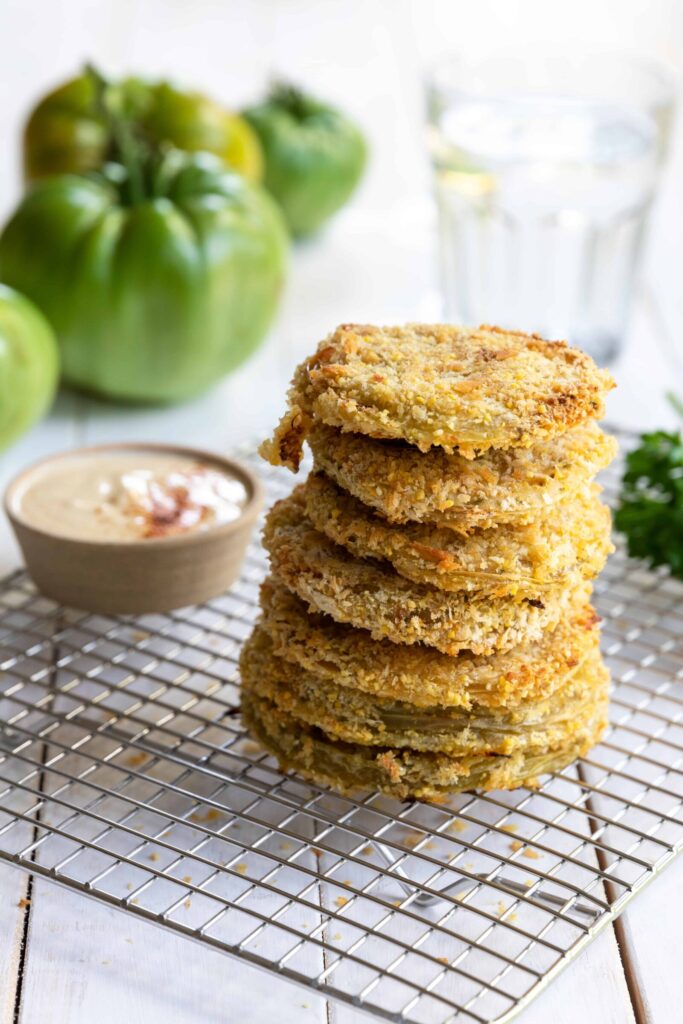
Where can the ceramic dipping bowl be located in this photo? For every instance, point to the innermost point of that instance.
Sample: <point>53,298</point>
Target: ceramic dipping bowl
<point>150,574</point>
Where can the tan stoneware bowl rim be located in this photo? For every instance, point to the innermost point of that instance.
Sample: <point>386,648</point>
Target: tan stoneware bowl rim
<point>228,464</point>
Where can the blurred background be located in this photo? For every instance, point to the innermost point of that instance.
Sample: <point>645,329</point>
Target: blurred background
<point>369,57</point>
<point>377,259</point>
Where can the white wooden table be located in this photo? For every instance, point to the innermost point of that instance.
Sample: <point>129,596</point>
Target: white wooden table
<point>66,960</point>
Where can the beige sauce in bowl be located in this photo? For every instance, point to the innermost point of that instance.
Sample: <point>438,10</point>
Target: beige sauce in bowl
<point>128,496</point>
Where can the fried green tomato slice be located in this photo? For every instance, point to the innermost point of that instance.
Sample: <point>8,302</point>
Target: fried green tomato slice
<point>420,675</point>
<point>370,595</point>
<point>402,772</point>
<point>344,713</point>
<point>524,559</point>
<point>437,385</point>
<point>511,485</point>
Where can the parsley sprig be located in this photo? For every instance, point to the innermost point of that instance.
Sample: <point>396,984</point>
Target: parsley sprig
<point>650,511</point>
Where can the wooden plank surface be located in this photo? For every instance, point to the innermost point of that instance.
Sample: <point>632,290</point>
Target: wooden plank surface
<point>651,928</point>
<point>58,432</point>
<point>13,890</point>
<point>590,990</point>
<point>91,963</point>
<point>653,932</point>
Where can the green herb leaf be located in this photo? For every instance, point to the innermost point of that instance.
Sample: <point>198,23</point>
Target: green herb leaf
<point>650,513</point>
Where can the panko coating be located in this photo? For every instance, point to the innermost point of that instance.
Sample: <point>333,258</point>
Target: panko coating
<point>421,675</point>
<point>370,595</point>
<point>440,385</point>
<point>503,485</point>
<point>527,559</point>
<point>344,713</point>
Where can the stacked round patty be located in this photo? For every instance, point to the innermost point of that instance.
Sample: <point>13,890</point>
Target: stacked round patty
<point>426,627</point>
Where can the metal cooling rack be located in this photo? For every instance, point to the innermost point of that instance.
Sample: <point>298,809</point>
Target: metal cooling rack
<point>125,775</point>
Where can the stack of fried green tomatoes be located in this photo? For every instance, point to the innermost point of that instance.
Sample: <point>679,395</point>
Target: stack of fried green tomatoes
<point>427,626</point>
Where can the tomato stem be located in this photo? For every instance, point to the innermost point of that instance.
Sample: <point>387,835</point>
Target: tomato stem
<point>126,148</point>
<point>292,99</point>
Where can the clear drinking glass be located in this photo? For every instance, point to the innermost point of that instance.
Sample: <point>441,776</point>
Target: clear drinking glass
<point>545,172</point>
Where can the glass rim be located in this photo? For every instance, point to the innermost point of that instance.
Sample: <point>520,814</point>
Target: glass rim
<point>662,74</point>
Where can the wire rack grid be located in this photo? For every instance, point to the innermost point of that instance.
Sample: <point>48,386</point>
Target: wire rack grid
<point>125,774</point>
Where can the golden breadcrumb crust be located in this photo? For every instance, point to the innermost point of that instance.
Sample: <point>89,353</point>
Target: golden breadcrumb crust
<point>509,559</point>
<point>421,675</point>
<point>503,485</point>
<point>440,385</point>
<point>405,773</point>
<point>370,595</point>
<point>344,713</point>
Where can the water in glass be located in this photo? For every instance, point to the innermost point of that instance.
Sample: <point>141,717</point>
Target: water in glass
<point>543,201</point>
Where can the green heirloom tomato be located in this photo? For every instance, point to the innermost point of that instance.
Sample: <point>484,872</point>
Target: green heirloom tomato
<point>314,156</point>
<point>66,132</point>
<point>28,365</point>
<point>156,282</point>
<point>190,121</point>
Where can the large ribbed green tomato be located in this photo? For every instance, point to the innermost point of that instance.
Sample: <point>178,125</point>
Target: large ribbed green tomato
<point>28,365</point>
<point>155,287</point>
